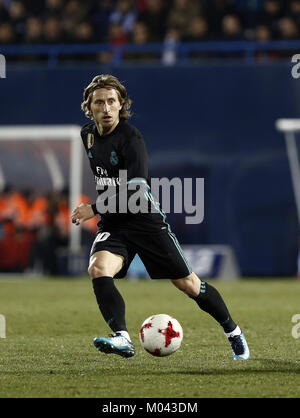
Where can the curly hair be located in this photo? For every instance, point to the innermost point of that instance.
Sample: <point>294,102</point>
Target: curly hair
<point>106,81</point>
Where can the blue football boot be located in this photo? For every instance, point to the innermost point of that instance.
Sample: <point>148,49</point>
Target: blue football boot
<point>239,346</point>
<point>115,344</point>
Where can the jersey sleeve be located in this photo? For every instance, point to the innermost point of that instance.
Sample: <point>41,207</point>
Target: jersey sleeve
<point>84,132</point>
<point>135,157</point>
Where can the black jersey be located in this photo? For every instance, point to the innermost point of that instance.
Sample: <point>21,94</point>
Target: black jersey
<point>123,149</point>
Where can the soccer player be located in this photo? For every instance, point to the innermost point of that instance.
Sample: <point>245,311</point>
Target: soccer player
<point>113,145</point>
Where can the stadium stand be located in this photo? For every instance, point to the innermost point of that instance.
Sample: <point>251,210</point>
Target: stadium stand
<point>119,23</point>
<point>33,227</point>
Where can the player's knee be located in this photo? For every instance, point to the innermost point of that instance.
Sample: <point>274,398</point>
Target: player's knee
<point>97,270</point>
<point>190,285</point>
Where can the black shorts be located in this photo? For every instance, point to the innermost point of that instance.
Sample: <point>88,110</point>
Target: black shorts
<point>159,251</point>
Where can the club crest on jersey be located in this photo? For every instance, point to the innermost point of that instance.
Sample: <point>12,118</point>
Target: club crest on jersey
<point>90,140</point>
<point>114,158</point>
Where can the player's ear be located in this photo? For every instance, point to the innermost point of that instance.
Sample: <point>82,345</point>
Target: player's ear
<point>121,101</point>
<point>120,106</point>
<point>88,106</point>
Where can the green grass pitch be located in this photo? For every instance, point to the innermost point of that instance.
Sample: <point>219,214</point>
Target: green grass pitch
<point>50,325</point>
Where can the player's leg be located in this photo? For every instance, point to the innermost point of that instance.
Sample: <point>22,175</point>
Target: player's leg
<point>103,266</point>
<point>164,258</point>
<point>209,300</point>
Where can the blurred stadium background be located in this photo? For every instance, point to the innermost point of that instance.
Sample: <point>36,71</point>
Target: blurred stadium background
<point>208,79</point>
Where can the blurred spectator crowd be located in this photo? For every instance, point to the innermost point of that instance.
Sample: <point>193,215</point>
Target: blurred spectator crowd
<point>35,229</point>
<point>120,22</point>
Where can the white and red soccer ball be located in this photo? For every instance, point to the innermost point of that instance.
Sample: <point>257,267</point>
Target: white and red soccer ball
<point>161,335</point>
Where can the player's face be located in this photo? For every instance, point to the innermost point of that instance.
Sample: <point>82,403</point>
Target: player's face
<point>105,107</point>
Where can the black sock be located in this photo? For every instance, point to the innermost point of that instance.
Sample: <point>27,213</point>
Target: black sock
<point>110,302</point>
<point>210,301</point>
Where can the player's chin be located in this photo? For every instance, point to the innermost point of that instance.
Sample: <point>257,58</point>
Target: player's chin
<point>107,121</point>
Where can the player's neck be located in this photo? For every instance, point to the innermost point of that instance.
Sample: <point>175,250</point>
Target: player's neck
<point>104,132</point>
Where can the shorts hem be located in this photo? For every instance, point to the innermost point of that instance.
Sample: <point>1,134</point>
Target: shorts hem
<point>169,278</point>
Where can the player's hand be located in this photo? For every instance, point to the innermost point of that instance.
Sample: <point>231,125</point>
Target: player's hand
<point>82,213</point>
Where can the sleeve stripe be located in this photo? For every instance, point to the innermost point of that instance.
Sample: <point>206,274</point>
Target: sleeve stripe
<point>137,181</point>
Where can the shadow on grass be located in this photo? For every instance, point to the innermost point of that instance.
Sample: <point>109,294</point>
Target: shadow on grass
<point>254,366</point>
<point>263,366</point>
